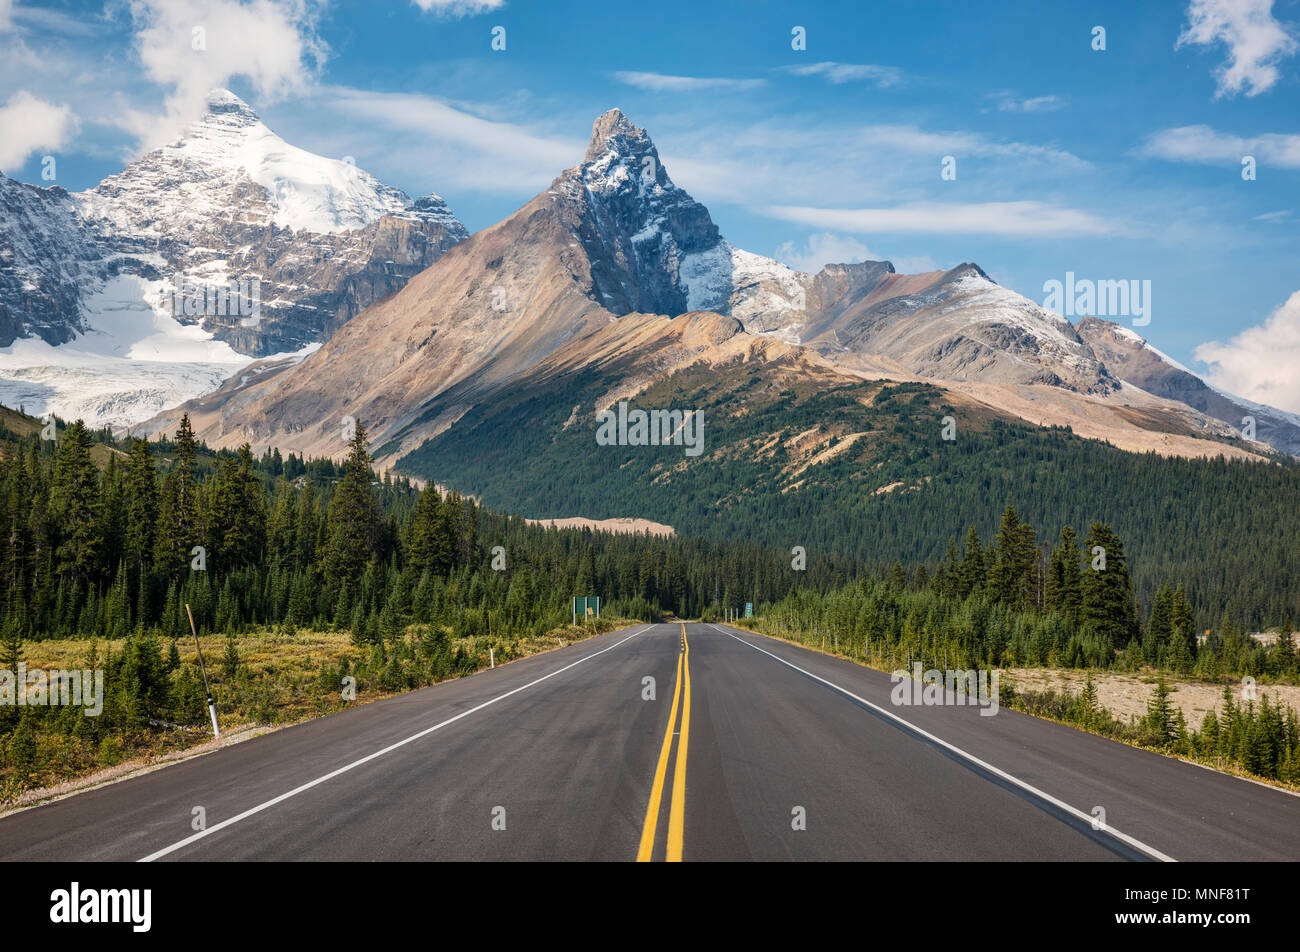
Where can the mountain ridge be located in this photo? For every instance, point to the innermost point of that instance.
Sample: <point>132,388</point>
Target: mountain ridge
<point>614,239</point>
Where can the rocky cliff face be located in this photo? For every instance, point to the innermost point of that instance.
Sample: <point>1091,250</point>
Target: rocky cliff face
<point>46,256</point>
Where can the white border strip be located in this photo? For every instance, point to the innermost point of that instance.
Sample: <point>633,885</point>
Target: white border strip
<point>1060,804</point>
<point>369,757</point>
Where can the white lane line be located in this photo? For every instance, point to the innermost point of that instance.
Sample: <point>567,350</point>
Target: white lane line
<point>369,757</point>
<point>1041,794</point>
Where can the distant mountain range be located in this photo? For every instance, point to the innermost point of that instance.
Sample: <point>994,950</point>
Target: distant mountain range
<point>595,264</point>
<point>407,310</point>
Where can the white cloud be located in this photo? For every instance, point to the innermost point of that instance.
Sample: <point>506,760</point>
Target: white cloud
<point>1260,363</point>
<point>1256,42</point>
<point>1274,218</point>
<point>421,134</point>
<point>839,73</point>
<point>826,248</point>
<point>1021,219</point>
<point>28,124</point>
<point>193,46</point>
<point>6,14</point>
<point>961,144</point>
<point>658,82</point>
<point>1204,145</point>
<point>794,161</point>
<point>458,8</point>
<point>1009,103</point>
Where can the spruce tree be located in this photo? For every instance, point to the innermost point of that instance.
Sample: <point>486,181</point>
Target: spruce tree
<point>74,506</point>
<point>353,514</point>
<point>1107,594</point>
<point>178,523</point>
<point>1063,578</point>
<point>973,569</point>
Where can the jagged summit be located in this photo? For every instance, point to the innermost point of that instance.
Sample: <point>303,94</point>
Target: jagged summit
<point>222,102</point>
<point>613,131</point>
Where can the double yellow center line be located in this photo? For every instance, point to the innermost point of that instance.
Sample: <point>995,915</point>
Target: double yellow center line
<point>677,810</point>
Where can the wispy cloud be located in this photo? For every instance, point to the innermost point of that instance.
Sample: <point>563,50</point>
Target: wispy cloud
<point>25,18</point>
<point>1203,145</point>
<point>1007,102</point>
<point>659,82</point>
<point>919,141</point>
<point>815,163</point>
<point>29,125</point>
<point>459,8</point>
<point>840,73</point>
<point>1260,362</point>
<point>1274,218</point>
<point>826,248</point>
<point>1020,219</point>
<point>1255,39</point>
<point>420,134</point>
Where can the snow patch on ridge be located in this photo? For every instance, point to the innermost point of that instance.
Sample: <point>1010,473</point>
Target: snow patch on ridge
<point>762,293</point>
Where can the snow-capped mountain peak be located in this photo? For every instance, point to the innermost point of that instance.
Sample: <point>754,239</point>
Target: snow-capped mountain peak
<point>306,192</point>
<point>141,271</point>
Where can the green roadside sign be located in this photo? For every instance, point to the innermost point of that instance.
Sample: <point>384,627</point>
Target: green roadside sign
<point>585,606</point>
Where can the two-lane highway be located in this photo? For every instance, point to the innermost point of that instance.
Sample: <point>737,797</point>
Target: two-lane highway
<point>668,742</point>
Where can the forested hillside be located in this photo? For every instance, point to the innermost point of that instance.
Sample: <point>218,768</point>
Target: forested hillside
<point>888,486</point>
<point>102,550</point>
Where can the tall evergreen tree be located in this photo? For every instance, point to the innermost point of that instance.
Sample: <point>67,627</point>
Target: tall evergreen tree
<point>74,506</point>
<point>973,569</point>
<point>1063,575</point>
<point>1107,593</point>
<point>141,506</point>
<point>179,528</point>
<point>353,514</point>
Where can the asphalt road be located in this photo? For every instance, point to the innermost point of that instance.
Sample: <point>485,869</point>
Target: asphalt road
<point>750,749</point>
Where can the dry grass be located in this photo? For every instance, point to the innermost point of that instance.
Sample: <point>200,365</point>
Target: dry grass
<point>285,667</point>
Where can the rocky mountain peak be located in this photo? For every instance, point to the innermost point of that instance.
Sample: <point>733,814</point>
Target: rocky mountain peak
<point>635,224</point>
<point>613,131</point>
<point>227,108</point>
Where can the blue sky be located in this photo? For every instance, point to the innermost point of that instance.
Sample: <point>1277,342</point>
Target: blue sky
<point>1123,163</point>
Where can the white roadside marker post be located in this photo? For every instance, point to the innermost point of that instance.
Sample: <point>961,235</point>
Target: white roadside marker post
<point>212,708</point>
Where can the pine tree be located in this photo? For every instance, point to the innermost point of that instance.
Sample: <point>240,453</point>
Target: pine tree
<point>431,545</point>
<point>973,569</point>
<point>1107,594</point>
<point>230,660</point>
<point>178,522</point>
<point>1284,651</point>
<point>1160,717</point>
<point>75,506</point>
<point>1183,621</point>
<point>1063,578</point>
<point>1088,702</point>
<point>141,505</point>
<point>1017,566</point>
<point>1161,626</point>
<point>353,514</point>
